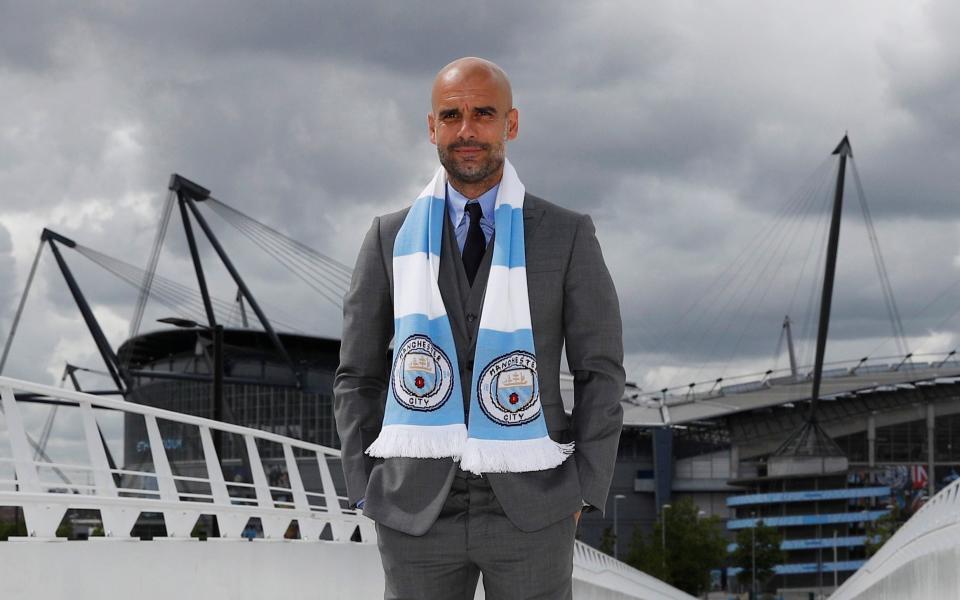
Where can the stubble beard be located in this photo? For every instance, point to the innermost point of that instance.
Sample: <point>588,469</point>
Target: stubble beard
<point>473,172</point>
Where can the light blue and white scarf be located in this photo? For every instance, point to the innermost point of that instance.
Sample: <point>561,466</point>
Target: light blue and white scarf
<point>424,413</point>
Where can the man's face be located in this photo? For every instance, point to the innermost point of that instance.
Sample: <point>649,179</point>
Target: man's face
<point>470,124</point>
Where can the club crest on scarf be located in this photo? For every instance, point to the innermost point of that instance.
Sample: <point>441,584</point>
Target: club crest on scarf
<point>422,374</point>
<point>508,390</point>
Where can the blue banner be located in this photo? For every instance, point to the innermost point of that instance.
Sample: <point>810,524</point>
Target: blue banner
<point>840,542</point>
<point>798,520</point>
<point>827,567</point>
<point>808,496</point>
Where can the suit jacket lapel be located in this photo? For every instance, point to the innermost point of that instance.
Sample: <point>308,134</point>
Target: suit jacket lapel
<point>531,219</point>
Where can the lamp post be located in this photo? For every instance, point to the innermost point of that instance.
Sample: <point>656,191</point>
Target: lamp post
<point>616,526</point>
<point>835,583</point>
<point>663,534</point>
<point>216,399</point>
<point>753,557</point>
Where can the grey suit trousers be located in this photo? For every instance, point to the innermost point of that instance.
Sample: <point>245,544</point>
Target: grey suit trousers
<point>472,535</point>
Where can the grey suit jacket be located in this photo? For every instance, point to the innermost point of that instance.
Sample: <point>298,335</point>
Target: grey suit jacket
<point>572,301</point>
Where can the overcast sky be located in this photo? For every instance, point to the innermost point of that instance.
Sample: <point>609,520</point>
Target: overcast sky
<point>694,133</point>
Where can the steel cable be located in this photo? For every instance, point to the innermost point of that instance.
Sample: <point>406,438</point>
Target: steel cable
<point>744,266</point>
<point>334,265</point>
<point>173,294</point>
<point>890,303</point>
<point>330,293</point>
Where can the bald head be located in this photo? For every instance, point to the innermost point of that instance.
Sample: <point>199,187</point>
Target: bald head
<point>472,72</point>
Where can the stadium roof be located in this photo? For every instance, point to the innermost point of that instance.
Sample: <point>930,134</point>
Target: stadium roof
<point>644,410</point>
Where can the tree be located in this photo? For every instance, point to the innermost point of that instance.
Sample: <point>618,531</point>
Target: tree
<point>881,530</point>
<point>645,555</point>
<point>606,541</point>
<point>760,546</point>
<point>694,546</point>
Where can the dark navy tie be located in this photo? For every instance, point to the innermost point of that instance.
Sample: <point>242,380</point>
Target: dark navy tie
<point>476,244</point>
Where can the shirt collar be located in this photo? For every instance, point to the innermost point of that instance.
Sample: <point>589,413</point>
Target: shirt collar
<point>457,202</point>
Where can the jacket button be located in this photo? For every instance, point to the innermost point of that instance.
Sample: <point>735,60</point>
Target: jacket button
<point>471,317</point>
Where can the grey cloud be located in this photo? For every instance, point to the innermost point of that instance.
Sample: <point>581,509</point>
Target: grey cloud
<point>28,33</point>
<point>391,36</point>
<point>682,129</point>
<point>8,295</point>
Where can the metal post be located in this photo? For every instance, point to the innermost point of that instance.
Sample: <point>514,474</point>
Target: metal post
<point>274,338</point>
<point>753,559</point>
<point>197,265</point>
<point>106,352</point>
<point>931,450</point>
<point>790,350</point>
<point>819,558</point>
<point>663,535</point>
<point>616,526</point>
<point>217,377</point>
<point>18,514</point>
<point>835,560</point>
<point>71,373</point>
<point>820,572</point>
<point>217,408</point>
<point>753,562</point>
<point>23,301</point>
<point>859,364</point>
<point>945,359</point>
<point>616,530</point>
<point>243,309</point>
<point>843,150</point>
<point>216,395</point>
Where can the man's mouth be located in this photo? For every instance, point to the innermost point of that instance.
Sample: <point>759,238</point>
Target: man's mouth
<point>468,152</point>
<point>467,147</point>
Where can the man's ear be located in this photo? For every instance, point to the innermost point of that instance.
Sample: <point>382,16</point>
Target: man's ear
<point>432,128</point>
<point>513,124</point>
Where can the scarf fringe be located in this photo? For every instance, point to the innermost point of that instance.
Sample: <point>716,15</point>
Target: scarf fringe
<point>416,441</point>
<point>513,456</point>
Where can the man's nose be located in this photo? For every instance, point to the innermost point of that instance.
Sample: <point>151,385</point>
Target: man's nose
<point>467,129</point>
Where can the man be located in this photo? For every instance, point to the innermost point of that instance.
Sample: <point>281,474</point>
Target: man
<point>513,519</point>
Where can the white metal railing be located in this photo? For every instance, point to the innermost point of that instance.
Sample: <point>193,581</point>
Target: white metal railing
<point>932,529</point>
<point>122,494</point>
<point>602,570</point>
